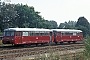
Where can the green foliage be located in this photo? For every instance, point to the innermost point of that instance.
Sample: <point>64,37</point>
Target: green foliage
<point>87,46</point>
<point>84,29</point>
<point>82,21</point>
<point>0,42</point>
<point>52,24</point>
<point>22,16</point>
<point>1,33</point>
<point>83,24</point>
<point>67,25</point>
<point>7,15</point>
<point>57,56</point>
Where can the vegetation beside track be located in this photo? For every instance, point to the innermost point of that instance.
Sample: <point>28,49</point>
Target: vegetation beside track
<point>87,47</point>
<point>0,42</point>
<point>57,56</point>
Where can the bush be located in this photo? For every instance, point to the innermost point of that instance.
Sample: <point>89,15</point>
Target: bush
<point>87,46</point>
<point>0,42</point>
<point>1,33</point>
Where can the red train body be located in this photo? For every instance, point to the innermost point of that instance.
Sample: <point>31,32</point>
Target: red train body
<point>38,36</point>
<point>67,35</point>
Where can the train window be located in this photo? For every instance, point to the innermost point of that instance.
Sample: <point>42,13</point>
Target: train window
<point>42,33</point>
<point>70,34</point>
<point>79,33</point>
<point>63,34</point>
<point>31,33</point>
<point>25,34</point>
<point>17,33</point>
<point>74,34</point>
<point>46,34</point>
<point>7,33</point>
<point>58,33</point>
<point>12,33</point>
<point>67,34</point>
<point>4,33</point>
<point>38,33</point>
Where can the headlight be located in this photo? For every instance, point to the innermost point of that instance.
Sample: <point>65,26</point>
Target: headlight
<point>12,39</point>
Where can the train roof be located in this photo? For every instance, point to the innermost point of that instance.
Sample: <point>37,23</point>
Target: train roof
<point>66,30</point>
<point>27,29</point>
<point>41,29</point>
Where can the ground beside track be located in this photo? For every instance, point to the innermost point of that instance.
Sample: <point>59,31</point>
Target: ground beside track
<point>25,52</point>
<point>62,55</point>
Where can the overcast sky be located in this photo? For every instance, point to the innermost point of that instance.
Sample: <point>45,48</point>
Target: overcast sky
<point>60,10</point>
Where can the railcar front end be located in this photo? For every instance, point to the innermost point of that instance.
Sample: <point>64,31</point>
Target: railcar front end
<point>8,37</point>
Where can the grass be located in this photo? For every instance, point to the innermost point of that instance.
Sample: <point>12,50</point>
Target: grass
<point>57,56</point>
<point>1,33</point>
<point>0,42</point>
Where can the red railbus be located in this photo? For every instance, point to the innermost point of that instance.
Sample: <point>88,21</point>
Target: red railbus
<point>39,36</point>
<point>67,35</point>
<point>27,36</point>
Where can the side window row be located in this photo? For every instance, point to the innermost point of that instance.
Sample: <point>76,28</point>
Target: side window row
<point>73,34</point>
<point>32,33</point>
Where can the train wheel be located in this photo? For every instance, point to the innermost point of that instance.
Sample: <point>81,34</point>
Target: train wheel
<point>74,41</point>
<point>42,44</point>
<point>12,44</point>
<point>36,44</point>
<point>69,42</point>
<point>55,42</point>
<point>61,42</point>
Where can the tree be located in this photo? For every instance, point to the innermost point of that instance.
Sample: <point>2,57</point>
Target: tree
<point>52,24</point>
<point>62,25</point>
<point>22,16</point>
<point>83,24</point>
<point>87,47</point>
<point>67,25</point>
<point>82,21</point>
<point>7,16</point>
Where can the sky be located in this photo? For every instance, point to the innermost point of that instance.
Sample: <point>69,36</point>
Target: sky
<point>59,10</point>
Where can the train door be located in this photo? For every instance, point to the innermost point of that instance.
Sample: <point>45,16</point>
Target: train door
<point>18,37</point>
<point>55,37</point>
<point>59,36</point>
<point>50,37</point>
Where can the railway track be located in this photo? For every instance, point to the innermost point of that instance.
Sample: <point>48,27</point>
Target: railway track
<point>13,53</point>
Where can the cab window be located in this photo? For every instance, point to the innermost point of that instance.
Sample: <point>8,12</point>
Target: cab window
<point>12,33</point>
<point>9,33</point>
